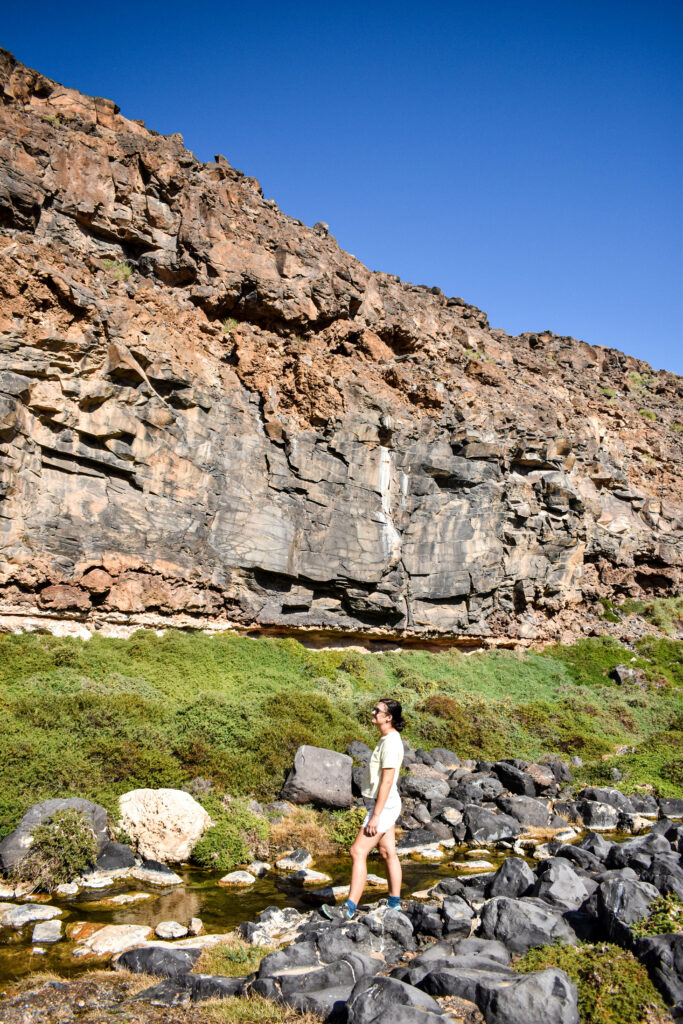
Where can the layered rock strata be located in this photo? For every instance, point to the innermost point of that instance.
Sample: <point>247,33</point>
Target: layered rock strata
<point>211,414</point>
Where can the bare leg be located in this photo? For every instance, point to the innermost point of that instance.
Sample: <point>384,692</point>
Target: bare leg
<point>362,845</point>
<point>387,848</point>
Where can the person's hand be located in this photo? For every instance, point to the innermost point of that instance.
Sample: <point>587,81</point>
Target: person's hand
<point>372,826</point>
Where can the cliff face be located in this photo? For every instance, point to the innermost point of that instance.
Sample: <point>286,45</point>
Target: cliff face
<point>209,412</point>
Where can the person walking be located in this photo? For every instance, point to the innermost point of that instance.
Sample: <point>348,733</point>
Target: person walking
<point>378,828</point>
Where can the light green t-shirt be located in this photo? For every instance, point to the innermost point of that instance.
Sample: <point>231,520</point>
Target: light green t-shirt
<point>387,754</point>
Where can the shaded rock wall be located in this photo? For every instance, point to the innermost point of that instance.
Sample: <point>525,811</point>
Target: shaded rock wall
<point>209,412</point>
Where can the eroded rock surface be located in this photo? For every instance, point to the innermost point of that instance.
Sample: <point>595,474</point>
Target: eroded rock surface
<point>211,414</point>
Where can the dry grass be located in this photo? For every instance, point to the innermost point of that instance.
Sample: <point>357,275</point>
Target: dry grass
<point>254,1010</point>
<point>305,828</point>
<point>232,958</point>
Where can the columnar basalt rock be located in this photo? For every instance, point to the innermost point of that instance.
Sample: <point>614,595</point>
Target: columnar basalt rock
<point>211,414</point>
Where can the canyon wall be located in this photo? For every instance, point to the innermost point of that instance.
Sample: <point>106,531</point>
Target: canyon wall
<point>210,414</point>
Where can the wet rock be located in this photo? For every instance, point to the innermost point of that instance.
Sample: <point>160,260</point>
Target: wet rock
<point>112,939</point>
<point>237,878</point>
<point>319,776</point>
<point>307,877</point>
<point>522,923</point>
<point>259,868</point>
<point>296,861</point>
<point>158,960</point>
<point>165,824</point>
<point>16,916</point>
<point>47,931</point>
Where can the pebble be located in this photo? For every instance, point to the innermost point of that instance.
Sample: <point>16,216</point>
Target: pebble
<point>196,926</point>
<point>67,889</point>
<point>294,861</point>
<point>473,865</point>
<point>47,931</point>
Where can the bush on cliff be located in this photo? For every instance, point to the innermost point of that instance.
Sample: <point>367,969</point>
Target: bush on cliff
<point>97,718</point>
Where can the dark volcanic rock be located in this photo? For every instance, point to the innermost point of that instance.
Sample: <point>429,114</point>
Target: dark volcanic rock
<point>159,960</point>
<point>513,878</point>
<point>485,826</point>
<point>319,776</point>
<point>522,923</point>
<point>309,444</point>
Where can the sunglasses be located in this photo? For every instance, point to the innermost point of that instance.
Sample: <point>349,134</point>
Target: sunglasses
<point>380,711</point>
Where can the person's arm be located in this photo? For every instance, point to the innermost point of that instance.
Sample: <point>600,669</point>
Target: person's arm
<point>382,794</point>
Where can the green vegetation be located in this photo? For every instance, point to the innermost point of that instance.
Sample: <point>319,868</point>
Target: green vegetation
<point>647,414</point>
<point>610,611</point>
<point>608,392</point>
<point>53,119</point>
<point>665,917</point>
<point>613,987</point>
<point>101,717</point>
<point>233,838</point>
<point>639,381</point>
<point>664,612</point>
<point>345,825</point>
<point>676,427</point>
<point>229,324</point>
<point>63,847</point>
<point>120,271</point>
<point>232,958</point>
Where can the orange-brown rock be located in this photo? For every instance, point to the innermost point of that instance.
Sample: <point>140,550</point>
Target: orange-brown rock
<point>209,412</point>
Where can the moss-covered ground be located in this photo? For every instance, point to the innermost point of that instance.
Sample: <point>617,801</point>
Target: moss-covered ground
<point>100,717</point>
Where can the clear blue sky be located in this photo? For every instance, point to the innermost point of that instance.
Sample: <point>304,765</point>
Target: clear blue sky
<point>527,157</point>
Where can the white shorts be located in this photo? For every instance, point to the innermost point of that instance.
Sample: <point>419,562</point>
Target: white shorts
<point>387,818</point>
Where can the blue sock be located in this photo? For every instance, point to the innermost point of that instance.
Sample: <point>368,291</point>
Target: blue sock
<point>394,902</point>
<point>350,909</point>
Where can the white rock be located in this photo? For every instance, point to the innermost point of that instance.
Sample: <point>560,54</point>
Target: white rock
<point>432,854</point>
<point>165,824</point>
<point>124,898</point>
<point>308,877</point>
<point>155,877</point>
<point>47,931</point>
<point>452,816</point>
<point>12,916</point>
<point>334,892</point>
<point>38,951</point>
<point>67,889</point>
<point>112,939</point>
<point>295,861</point>
<point>237,878</point>
<point>97,881</point>
<point>474,865</point>
<point>377,882</point>
<point>259,868</point>
<point>196,926</point>
<point>170,930</point>
<point>6,892</point>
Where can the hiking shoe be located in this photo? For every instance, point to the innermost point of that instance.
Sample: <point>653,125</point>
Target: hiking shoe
<point>336,913</point>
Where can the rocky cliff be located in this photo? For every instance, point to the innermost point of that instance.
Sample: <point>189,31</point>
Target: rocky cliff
<point>211,414</point>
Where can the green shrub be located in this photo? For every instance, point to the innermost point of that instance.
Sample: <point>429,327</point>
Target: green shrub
<point>345,825</point>
<point>608,392</point>
<point>232,839</point>
<point>665,916</point>
<point>229,324</point>
<point>647,414</point>
<point>676,427</point>
<point>121,271</point>
<point>613,988</point>
<point>610,611</point>
<point>62,848</point>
